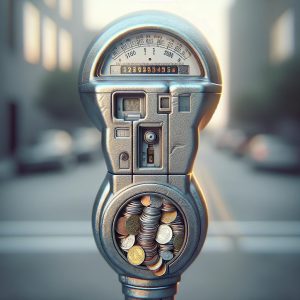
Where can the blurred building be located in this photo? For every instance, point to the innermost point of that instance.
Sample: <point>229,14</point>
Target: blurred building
<point>262,33</point>
<point>36,37</point>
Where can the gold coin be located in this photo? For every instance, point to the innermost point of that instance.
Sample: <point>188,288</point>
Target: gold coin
<point>168,217</point>
<point>136,255</point>
<point>161,271</point>
<point>146,200</point>
<point>133,224</point>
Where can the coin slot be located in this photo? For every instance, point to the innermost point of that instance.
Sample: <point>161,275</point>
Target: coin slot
<point>150,154</point>
<point>150,147</point>
<point>150,232</point>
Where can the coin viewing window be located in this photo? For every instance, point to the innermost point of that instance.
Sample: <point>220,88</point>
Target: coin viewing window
<point>150,232</point>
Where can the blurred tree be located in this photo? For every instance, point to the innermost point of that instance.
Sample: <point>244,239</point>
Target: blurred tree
<point>250,107</point>
<point>282,87</point>
<point>59,97</point>
<point>276,98</point>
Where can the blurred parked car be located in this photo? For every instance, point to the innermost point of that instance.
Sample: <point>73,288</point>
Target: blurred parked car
<point>86,143</point>
<point>233,140</point>
<point>52,150</point>
<point>272,152</point>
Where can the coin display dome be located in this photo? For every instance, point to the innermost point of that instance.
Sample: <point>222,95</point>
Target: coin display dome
<point>150,232</point>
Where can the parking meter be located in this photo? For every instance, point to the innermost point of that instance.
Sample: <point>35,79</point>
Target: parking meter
<point>150,82</point>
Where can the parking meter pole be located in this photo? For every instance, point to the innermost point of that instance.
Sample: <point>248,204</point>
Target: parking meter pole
<point>160,289</point>
<point>169,298</point>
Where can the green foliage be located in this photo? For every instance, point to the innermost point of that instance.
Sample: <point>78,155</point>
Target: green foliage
<point>59,97</point>
<point>284,89</point>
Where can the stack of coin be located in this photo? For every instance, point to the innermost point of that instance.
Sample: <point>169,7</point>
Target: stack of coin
<point>168,206</point>
<point>149,221</point>
<point>156,201</point>
<point>166,247</point>
<point>178,230</point>
<point>128,225</point>
<point>164,237</point>
<point>166,251</point>
<point>134,207</point>
<point>151,231</point>
<point>178,241</point>
<point>177,225</point>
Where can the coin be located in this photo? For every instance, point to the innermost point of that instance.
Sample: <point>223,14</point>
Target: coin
<point>133,224</point>
<point>178,241</point>
<point>146,200</point>
<point>156,266</point>
<point>119,236</point>
<point>168,206</point>
<point>136,255</point>
<point>168,217</point>
<point>166,255</point>
<point>164,234</point>
<point>166,247</point>
<point>156,201</point>
<point>162,271</point>
<point>134,207</point>
<point>127,242</point>
<point>121,226</point>
<point>151,261</point>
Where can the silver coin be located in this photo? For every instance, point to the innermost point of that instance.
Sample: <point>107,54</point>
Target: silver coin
<point>156,201</point>
<point>133,208</point>
<point>149,222</point>
<point>127,242</point>
<point>166,255</point>
<point>164,234</point>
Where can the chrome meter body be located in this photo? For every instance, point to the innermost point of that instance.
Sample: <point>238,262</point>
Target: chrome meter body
<point>150,83</point>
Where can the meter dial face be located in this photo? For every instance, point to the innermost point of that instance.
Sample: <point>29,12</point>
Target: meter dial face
<point>151,53</point>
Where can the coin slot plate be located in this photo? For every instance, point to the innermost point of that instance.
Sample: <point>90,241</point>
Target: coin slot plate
<point>149,154</point>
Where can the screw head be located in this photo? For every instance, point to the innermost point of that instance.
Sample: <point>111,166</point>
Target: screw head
<point>124,156</point>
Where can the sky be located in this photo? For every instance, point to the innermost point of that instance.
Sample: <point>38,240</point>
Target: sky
<point>210,17</point>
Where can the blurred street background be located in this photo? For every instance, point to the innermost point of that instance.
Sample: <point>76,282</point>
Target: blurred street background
<point>51,164</point>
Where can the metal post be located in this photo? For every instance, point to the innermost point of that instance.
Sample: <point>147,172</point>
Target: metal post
<point>160,289</point>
